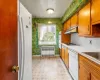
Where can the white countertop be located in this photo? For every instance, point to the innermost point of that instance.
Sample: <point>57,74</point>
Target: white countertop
<point>81,50</point>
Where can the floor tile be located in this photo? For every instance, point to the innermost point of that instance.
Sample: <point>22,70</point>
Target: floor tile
<point>49,68</point>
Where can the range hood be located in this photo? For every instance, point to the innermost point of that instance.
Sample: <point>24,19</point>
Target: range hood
<point>73,29</point>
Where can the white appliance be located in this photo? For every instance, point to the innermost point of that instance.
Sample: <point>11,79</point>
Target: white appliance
<point>73,29</point>
<point>24,44</point>
<point>73,64</point>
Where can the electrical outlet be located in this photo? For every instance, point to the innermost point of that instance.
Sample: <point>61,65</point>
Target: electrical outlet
<point>90,41</point>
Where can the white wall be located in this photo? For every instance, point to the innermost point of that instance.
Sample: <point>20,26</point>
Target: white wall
<point>26,20</point>
<point>83,41</point>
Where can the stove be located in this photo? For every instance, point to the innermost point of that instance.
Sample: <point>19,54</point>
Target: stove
<point>71,44</point>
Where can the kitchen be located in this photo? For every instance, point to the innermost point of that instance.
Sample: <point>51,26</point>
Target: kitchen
<point>82,57</point>
<point>50,40</point>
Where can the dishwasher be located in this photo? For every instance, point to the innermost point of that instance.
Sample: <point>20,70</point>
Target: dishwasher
<point>73,64</point>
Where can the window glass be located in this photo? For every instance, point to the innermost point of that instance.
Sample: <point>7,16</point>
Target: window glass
<point>47,34</point>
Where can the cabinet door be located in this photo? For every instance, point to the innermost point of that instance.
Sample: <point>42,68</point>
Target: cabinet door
<point>66,57</point>
<point>84,20</point>
<point>68,24</point>
<point>65,38</point>
<point>95,76</point>
<point>65,26</point>
<point>83,73</point>
<point>74,20</point>
<point>95,12</point>
<point>63,54</point>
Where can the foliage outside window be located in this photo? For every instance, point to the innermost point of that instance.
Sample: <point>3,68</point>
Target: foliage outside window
<point>47,34</point>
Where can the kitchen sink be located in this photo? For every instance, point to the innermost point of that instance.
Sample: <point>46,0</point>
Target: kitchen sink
<point>93,54</point>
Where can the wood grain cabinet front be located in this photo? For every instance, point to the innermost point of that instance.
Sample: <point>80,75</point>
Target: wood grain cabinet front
<point>88,70</point>
<point>95,76</point>
<point>84,21</point>
<point>74,20</point>
<point>95,11</point>
<point>68,24</point>
<point>65,38</point>
<point>63,54</point>
<point>66,60</point>
<point>84,74</point>
<point>65,26</point>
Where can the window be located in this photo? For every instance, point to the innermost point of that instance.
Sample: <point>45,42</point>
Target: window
<point>47,34</point>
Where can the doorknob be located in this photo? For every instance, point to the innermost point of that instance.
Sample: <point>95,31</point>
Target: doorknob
<point>15,69</point>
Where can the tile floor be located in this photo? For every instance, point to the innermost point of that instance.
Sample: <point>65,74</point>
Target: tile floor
<point>49,68</point>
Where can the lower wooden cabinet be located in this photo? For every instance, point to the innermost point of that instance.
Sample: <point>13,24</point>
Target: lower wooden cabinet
<point>66,60</point>
<point>88,70</point>
<point>83,73</point>
<point>95,76</point>
<point>63,52</point>
<point>65,56</point>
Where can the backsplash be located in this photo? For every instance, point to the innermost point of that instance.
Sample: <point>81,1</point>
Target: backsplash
<point>86,42</point>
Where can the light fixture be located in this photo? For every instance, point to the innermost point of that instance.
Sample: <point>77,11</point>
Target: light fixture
<point>49,22</point>
<point>50,10</point>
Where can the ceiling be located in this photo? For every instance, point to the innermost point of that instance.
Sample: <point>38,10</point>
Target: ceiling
<point>38,7</point>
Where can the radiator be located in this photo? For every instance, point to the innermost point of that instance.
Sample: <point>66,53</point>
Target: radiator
<point>47,50</point>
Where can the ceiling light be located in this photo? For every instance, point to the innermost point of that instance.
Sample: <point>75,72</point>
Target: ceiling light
<point>49,22</point>
<point>50,10</point>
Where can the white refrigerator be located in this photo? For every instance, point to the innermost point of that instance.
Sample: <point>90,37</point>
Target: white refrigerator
<point>24,44</point>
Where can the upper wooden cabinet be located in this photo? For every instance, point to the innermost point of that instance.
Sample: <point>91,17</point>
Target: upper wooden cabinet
<point>74,20</point>
<point>65,38</point>
<point>87,19</point>
<point>95,11</point>
<point>67,25</point>
<point>84,20</point>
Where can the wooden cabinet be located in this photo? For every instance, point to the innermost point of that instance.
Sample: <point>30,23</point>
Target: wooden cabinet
<point>84,20</point>
<point>74,20</point>
<point>63,54</point>
<point>95,11</point>
<point>83,73</point>
<point>66,60</point>
<point>87,19</point>
<point>67,24</point>
<point>88,70</point>
<point>65,38</point>
<point>95,76</point>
